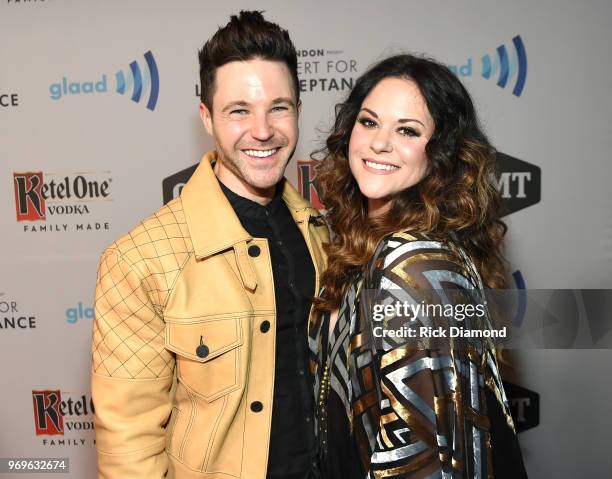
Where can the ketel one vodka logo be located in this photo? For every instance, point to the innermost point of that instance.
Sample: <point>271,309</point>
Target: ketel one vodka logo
<point>54,416</point>
<point>306,175</point>
<point>38,194</point>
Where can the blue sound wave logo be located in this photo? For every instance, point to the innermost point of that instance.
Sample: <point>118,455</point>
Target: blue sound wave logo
<point>503,67</point>
<point>507,66</point>
<point>138,81</point>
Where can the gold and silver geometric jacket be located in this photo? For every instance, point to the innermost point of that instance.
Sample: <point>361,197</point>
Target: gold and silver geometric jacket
<point>413,412</point>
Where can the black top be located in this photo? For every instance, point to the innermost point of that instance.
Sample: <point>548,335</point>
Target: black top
<point>292,439</point>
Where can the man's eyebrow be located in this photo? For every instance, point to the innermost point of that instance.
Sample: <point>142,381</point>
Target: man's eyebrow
<point>234,104</point>
<point>283,99</point>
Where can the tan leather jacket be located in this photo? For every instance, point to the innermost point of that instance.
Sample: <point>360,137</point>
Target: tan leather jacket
<point>180,365</point>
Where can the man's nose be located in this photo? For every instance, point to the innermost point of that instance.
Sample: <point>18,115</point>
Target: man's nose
<point>261,129</point>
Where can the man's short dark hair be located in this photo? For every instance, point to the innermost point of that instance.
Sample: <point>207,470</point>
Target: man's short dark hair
<point>246,37</point>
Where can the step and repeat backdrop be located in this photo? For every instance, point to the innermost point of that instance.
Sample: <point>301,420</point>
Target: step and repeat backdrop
<point>99,127</point>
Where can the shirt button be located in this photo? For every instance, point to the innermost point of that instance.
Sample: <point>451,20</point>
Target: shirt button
<point>254,250</point>
<point>256,406</point>
<point>307,419</point>
<point>291,284</point>
<point>264,327</point>
<point>279,242</point>
<point>301,372</point>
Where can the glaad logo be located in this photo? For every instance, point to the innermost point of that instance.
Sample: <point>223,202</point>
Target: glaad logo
<point>137,81</point>
<point>504,69</point>
<point>56,416</point>
<point>519,183</point>
<point>524,405</point>
<point>507,68</point>
<point>79,312</point>
<point>140,82</point>
<point>173,185</point>
<point>306,182</point>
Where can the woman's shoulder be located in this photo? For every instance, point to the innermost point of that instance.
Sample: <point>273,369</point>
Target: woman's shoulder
<point>403,245</point>
<point>416,255</point>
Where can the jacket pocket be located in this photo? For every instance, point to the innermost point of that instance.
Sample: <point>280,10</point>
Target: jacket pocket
<point>207,354</point>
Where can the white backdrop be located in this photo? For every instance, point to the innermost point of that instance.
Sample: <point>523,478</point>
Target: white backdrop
<point>560,123</point>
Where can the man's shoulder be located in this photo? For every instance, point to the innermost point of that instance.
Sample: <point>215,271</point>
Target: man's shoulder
<point>163,234</point>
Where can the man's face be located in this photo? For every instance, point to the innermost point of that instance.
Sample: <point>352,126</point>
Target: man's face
<point>254,122</point>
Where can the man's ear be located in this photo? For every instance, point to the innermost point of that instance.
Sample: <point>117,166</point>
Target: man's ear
<point>299,107</point>
<point>206,116</point>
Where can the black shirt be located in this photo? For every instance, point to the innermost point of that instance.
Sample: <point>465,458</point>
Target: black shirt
<point>292,437</point>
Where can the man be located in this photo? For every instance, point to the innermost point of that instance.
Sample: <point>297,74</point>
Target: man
<point>214,291</point>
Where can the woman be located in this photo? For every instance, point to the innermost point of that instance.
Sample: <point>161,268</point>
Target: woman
<point>408,180</point>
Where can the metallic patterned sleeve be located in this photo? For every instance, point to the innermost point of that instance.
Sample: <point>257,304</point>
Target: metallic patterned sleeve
<point>432,413</point>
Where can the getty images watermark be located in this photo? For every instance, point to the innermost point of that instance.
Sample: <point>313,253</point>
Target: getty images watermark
<point>413,324</point>
<point>516,319</point>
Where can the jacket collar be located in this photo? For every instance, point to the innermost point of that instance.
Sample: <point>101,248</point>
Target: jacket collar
<point>212,222</point>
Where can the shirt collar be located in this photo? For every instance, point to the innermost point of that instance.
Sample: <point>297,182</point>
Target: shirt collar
<point>212,222</point>
<point>249,209</point>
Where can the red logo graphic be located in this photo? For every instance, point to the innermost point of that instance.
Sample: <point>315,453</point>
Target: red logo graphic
<point>306,187</point>
<point>47,414</point>
<point>29,201</point>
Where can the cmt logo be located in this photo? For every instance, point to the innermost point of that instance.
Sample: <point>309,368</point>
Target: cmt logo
<point>521,306</point>
<point>524,405</point>
<point>173,185</point>
<point>135,83</point>
<point>519,183</point>
<point>306,182</point>
<point>507,70</point>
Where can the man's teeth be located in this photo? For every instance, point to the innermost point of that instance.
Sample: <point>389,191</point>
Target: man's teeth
<point>261,153</point>
<point>379,166</point>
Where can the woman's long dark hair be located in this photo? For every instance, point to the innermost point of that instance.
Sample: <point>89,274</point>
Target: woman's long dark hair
<point>456,201</point>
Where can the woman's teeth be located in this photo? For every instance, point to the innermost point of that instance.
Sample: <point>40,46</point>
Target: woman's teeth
<point>380,166</point>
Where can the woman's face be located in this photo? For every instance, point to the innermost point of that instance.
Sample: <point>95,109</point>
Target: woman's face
<point>387,145</point>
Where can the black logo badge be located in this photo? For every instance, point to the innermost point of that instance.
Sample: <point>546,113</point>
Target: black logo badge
<point>525,406</point>
<point>173,185</point>
<point>519,183</point>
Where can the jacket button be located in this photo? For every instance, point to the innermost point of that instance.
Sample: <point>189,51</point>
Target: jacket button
<point>202,351</point>
<point>256,406</point>
<point>254,251</point>
<point>264,327</point>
